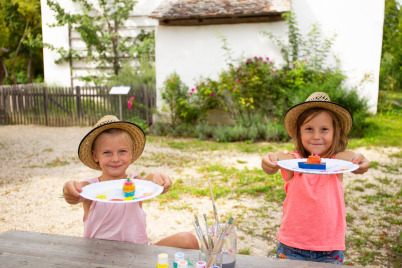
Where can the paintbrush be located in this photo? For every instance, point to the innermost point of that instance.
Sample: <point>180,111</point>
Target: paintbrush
<point>199,227</point>
<point>211,243</point>
<point>200,236</point>
<point>213,205</point>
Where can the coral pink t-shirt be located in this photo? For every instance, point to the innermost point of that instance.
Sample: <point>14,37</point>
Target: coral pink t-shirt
<point>121,222</point>
<point>313,212</point>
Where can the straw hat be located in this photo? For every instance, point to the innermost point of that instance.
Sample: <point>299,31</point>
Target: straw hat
<point>317,100</point>
<point>108,122</point>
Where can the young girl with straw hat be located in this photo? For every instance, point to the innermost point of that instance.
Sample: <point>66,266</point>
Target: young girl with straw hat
<point>111,146</point>
<point>314,223</point>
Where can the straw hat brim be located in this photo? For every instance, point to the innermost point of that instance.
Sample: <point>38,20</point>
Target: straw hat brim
<point>85,147</point>
<point>290,119</point>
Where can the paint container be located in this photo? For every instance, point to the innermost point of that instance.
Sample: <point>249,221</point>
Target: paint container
<point>201,264</point>
<point>178,257</point>
<point>182,264</point>
<point>162,261</point>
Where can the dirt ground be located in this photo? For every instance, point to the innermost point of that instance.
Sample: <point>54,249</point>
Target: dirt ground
<point>36,161</point>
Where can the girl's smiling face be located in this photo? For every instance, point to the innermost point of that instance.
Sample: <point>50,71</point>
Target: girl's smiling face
<point>317,133</point>
<point>113,152</point>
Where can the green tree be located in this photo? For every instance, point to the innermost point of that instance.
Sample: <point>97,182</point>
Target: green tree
<point>99,26</point>
<point>391,60</point>
<point>20,40</point>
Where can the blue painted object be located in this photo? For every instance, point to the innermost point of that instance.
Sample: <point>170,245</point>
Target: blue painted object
<point>312,166</point>
<point>129,194</point>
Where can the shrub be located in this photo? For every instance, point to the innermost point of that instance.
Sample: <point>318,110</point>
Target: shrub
<point>182,103</point>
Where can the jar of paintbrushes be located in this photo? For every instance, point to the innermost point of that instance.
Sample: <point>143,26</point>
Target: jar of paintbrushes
<point>218,243</point>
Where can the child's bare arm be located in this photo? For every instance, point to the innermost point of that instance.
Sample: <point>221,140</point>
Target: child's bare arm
<point>72,190</point>
<point>160,179</point>
<point>269,162</point>
<point>356,158</point>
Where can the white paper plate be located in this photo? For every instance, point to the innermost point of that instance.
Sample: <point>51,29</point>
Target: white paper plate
<point>333,166</point>
<point>112,191</point>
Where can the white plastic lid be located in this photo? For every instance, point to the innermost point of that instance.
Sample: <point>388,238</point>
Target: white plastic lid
<point>178,256</point>
<point>201,264</point>
<point>182,264</point>
<point>163,258</point>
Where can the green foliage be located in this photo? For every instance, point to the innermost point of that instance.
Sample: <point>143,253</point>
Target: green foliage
<point>139,122</point>
<point>182,103</point>
<point>20,46</point>
<point>313,48</point>
<point>391,68</point>
<point>128,75</point>
<point>99,25</point>
<point>257,94</point>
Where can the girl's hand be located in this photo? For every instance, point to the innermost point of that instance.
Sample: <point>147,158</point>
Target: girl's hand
<point>356,158</point>
<point>160,179</point>
<point>363,163</point>
<point>72,190</point>
<point>269,163</point>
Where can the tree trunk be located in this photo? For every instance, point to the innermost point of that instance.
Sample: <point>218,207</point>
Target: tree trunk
<point>29,67</point>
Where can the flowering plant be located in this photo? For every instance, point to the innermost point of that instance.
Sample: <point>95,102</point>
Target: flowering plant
<point>130,103</point>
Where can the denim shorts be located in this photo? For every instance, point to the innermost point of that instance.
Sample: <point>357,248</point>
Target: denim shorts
<point>285,252</point>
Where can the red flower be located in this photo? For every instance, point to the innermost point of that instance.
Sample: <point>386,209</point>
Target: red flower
<point>212,94</point>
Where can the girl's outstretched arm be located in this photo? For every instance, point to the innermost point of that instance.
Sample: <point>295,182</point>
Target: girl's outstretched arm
<point>269,162</point>
<point>356,158</point>
<point>72,190</point>
<point>160,179</point>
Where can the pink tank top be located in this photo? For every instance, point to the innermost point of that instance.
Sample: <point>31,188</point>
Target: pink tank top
<point>313,212</point>
<point>121,222</point>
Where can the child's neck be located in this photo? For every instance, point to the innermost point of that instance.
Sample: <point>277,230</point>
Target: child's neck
<point>106,177</point>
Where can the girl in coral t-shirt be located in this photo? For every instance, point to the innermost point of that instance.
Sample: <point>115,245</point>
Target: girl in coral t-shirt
<point>313,223</point>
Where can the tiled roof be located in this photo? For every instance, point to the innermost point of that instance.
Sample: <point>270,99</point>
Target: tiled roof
<point>191,9</point>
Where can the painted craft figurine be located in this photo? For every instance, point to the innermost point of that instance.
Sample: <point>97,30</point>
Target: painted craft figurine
<point>313,162</point>
<point>128,188</point>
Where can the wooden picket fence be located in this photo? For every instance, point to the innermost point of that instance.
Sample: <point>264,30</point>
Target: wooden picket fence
<point>71,106</point>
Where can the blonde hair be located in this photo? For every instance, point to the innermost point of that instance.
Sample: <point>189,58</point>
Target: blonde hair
<point>340,139</point>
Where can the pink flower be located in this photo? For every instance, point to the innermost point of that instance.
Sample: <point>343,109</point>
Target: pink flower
<point>192,89</point>
<point>267,58</point>
<point>270,62</point>
<point>130,103</point>
<point>191,93</point>
<point>293,64</point>
<point>234,88</point>
<point>212,94</point>
<point>305,59</point>
<point>238,80</point>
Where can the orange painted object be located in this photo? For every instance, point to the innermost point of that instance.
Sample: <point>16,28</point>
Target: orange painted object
<point>314,159</point>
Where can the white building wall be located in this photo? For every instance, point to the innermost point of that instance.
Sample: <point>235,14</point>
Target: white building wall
<point>195,51</point>
<point>60,74</point>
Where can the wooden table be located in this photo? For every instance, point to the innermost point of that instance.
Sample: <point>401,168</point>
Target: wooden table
<point>27,249</point>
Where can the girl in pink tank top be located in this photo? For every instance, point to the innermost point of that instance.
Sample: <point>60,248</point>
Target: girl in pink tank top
<point>110,147</point>
<point>313,222</point>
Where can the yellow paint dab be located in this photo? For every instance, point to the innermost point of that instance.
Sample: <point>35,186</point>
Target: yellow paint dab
<point>101,196</point>
<point>148,194</point>
<point>128,198</point>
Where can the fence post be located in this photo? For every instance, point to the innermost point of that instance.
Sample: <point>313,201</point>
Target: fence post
<point>78,94</point>
<point>45,105</point>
